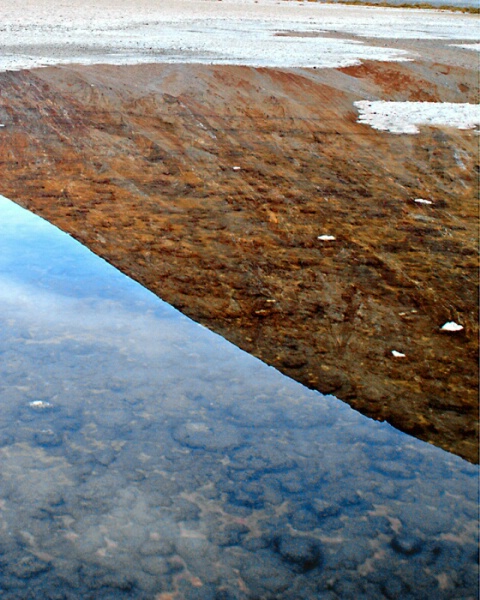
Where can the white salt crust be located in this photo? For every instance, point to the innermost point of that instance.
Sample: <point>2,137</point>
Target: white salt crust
<point>267,33</point>
<point>407,117</point>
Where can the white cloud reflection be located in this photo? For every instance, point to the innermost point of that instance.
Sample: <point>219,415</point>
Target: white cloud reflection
<point>126,316</point>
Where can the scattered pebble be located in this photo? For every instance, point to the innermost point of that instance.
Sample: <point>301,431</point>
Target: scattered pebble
<point>39,404</point>
<point>451,326</point>
<point>2,124</point>
<point>398,354</point>
<point>422,201</point>
<point>326,238</point>
<point>236,168</point>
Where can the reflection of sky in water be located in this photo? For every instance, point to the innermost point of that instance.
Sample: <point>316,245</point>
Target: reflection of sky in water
<point>145,457</point>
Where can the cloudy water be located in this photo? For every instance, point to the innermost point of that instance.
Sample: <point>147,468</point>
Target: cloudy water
<point>142,456</point>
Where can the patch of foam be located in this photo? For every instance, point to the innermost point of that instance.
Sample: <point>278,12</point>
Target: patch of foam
<point>406,117</point>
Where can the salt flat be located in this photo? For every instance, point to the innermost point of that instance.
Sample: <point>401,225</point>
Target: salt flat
<point>240,32</point>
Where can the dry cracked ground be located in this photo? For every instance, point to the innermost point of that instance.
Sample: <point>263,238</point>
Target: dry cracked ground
<point>211,184</point>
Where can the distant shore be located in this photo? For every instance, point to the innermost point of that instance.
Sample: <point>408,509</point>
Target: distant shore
<point>461,6</point>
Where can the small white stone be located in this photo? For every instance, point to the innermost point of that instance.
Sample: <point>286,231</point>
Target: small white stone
<point>326,238</point>
<point>451,326</point>
<point>236,168</point>
<point>39,404</point>
<point>423,201</point>
<point>398,354</point>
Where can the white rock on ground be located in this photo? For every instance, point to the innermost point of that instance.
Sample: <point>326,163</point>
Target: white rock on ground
<point>451,326</point>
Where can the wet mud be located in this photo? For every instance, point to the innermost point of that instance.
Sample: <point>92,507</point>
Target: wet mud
<point>211,186</point>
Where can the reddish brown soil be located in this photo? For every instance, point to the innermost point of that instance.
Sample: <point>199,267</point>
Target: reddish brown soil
<point>138,164</point>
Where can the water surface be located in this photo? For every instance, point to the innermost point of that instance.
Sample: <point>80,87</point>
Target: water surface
<point>144,457</point>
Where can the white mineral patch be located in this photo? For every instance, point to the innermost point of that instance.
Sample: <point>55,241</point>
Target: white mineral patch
<point>326,238</point>
<point>397,354</point>
<point>451,326</point>
<point>39,404</point>
<point>406,117</point>
<point>269,33</point>
<point>474,47</point>
<point>423,201</point>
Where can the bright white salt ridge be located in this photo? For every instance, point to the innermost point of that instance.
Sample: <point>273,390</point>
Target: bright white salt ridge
<point>233,43</point>
<point>35,33</point>
<point>406,117</point>
<point>451,326</point>
<point>475,47</point>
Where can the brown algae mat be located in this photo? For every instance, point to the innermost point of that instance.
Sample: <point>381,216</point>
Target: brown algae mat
<point>212,186</point>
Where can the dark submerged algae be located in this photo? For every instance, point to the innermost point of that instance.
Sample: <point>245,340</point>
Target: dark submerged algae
<point>146,457</point>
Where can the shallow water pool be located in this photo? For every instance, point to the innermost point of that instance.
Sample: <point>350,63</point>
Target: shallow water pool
<point>144,457</point>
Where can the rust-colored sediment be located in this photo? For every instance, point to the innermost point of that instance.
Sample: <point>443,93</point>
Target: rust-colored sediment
<point>138,164</point>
